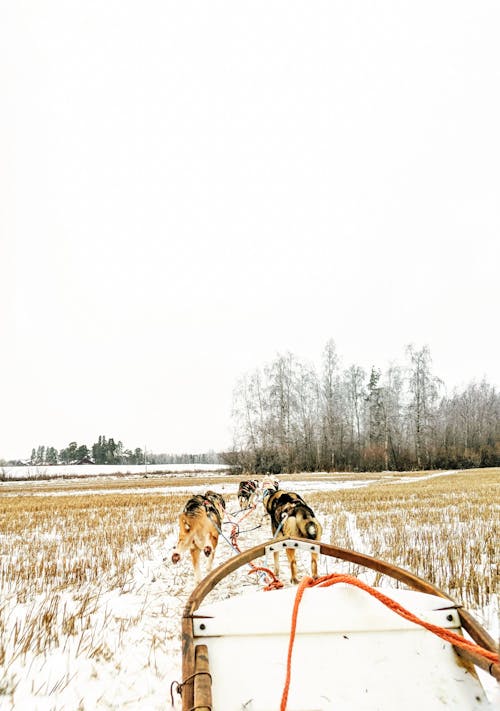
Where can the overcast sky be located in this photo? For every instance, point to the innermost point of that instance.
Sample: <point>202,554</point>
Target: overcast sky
<point>190,188</point>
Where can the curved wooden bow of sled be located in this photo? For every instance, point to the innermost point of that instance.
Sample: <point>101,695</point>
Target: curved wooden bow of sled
<point>191,668</point>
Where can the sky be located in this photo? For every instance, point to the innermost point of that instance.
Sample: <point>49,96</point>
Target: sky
<point>188,189</point>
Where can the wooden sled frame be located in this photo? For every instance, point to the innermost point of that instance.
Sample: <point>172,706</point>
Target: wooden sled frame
<point>196,680</point>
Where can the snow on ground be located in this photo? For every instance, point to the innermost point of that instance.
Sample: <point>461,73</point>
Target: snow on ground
<point>299,486</point>
<point>126,653</point>
<point>86,470</point>
<point>135,633</point>
<point>411,479</point>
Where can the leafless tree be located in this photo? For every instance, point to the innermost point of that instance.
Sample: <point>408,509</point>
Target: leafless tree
<point>289,418</point>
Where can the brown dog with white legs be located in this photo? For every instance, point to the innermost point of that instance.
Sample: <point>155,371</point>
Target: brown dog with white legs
<point>199,527</point>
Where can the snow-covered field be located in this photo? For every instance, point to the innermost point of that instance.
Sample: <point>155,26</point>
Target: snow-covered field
<point>121,645</point>
<point>86,470</point>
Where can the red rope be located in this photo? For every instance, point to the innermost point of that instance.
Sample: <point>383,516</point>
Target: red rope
<point>274,583</point>
<point>328,580</point>
<point>248,512</point>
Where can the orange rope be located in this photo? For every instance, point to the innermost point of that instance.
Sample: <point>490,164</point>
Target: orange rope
<point>328,580</point>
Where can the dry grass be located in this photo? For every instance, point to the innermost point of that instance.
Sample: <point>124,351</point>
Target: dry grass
<point>445,530</point>
<point>52,543</point>
<point>60,554</point>
<point>59,557</point>
<point>169,480</point>
<point>115,483</point>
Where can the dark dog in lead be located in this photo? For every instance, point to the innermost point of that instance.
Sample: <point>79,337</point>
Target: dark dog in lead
<point>291,517</point>
<point>199,526</point>
<point>247,493</point>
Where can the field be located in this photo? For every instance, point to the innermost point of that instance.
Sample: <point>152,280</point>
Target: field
<point>91,604</point>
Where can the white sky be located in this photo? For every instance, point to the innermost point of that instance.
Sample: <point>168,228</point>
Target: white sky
<point>189,188</point>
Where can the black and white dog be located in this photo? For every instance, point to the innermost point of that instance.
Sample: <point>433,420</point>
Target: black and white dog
<point>247,493</point>
<point>291,517</point>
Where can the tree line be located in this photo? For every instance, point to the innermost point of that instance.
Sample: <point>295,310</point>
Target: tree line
<point>110,451</point>
<point>104,451</point>
<point>289,417</point>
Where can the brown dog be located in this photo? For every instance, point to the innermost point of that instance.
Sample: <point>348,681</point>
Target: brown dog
<point>199,527</point>
<point>291,517</point>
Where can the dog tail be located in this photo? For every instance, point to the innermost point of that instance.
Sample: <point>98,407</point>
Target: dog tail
<point>311,530</point>
<point>308,526</point>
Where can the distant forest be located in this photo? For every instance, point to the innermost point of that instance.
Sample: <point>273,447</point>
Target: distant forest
<point>289,417</point>
<point>111,451</point>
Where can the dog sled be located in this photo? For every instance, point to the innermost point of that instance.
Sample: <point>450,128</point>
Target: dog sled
<point>333,643</point>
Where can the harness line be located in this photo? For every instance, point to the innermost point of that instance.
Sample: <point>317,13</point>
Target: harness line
<point>274,583</point>
<point>281,525</point>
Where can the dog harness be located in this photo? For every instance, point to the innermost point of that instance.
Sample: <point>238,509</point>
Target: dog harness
<point>211,510</point>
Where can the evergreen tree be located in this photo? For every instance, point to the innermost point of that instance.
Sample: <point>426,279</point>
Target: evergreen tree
<point>51,455</point>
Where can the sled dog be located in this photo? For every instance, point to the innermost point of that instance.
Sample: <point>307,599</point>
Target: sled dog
<point>199,528</point>
<point>247,493</point>
<point>291,517</point>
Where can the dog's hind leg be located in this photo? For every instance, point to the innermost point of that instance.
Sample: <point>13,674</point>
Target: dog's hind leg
<point>290,553</point>
<point>211,548</point>
<point>277,564</point>
<point>195,557</point>
<point>185,538</point>
<point>314,565</point>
